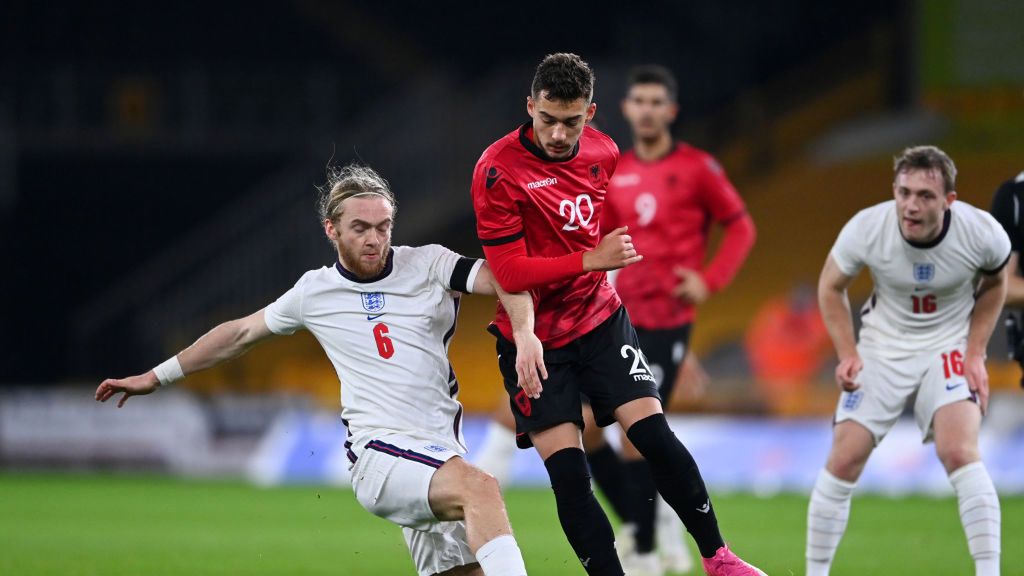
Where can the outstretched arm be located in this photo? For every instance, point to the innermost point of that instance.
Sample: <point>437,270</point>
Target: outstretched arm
<point>529,350</point>
<point>226,341</point>
<point>988,303</point>
<point>835,311</point>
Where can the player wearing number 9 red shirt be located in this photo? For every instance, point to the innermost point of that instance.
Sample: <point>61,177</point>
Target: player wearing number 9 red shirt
<point>938,268</point>
<point>670,195</point>
<point>538,194</point>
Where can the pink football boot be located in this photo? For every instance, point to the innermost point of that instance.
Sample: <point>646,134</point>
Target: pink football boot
<point>725,563</point>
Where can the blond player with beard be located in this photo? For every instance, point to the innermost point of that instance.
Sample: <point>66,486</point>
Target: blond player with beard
<point>385,317</point>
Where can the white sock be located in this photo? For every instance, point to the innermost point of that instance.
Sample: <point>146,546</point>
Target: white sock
<point>495,456</point>
<point>826,521</point>
<point>501,557</point>
<point>980,516</point>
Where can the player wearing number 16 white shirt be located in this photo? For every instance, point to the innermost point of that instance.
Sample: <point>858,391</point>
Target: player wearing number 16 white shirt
<point>938,269</point>
<point>385,317</point>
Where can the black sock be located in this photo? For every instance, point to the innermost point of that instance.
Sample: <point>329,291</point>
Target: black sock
<point>583,520</point>
<point>609,475</point>
<point>643,503</point>
<point>678,480</point>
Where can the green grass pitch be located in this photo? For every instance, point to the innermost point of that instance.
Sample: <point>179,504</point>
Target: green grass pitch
<point>121,525</point>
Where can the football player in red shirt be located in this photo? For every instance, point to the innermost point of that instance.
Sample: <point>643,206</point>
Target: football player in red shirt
<point>538,194</point>
<point>669,194</point>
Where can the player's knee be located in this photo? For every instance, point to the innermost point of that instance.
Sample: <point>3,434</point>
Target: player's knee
<point>845,465</point>
<point>478,485</point>
<point>956,456</point>
<point>653,438</point>
<point>593,438</point>
<point>568,472</point>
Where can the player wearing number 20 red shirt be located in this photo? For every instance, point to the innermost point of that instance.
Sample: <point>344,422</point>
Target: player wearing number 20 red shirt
<point>538,194</point>
<point>938,268</point>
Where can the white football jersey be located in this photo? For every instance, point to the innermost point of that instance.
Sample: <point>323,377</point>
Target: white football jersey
<point>923,293</point>
<point>388,340</point>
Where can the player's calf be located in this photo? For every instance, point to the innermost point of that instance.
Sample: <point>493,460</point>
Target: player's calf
<point>827,515</point>
<point>678,479</point>
<point>980,516</point>
<point>582,519</point>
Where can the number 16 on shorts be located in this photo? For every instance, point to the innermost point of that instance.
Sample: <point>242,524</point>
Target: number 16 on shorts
<point>952,364</point>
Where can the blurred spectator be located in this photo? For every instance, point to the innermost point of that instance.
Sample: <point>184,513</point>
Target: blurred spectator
<point>787,345</point>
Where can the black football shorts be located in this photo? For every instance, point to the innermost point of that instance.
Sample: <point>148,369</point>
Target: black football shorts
<point>665,351</point>
<point>606,364</point>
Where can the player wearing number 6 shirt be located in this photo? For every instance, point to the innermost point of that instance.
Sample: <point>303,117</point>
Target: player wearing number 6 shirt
<point>938,268</point>
<point>538,194</point>
<point>385,317</point>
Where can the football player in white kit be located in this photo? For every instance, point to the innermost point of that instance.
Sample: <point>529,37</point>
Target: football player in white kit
<point>385,317</point>
<point>938,269</point>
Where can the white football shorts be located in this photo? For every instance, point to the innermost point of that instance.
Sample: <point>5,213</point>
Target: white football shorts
<point>930,379</point>
<point>391,479</point>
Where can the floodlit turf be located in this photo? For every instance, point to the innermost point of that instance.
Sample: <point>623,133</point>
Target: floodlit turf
<point>114,525</point>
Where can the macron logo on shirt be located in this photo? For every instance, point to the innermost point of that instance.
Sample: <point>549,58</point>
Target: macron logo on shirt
<point>542,183</point>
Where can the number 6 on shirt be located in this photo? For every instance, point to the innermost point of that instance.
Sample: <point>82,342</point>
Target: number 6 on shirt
<point>385,347</point>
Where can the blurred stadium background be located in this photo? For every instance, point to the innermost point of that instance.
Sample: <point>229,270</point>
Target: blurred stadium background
<point>157,173</point>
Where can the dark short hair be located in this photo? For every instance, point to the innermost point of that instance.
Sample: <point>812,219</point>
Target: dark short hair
<point>927,158</point>
<point>654,74</point>
<point>565,77</point>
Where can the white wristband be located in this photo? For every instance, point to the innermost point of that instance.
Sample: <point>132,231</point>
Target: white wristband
<point>169,371</point>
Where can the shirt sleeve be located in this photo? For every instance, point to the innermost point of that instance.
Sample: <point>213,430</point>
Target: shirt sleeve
<point>718,195</point>
<point>726,207</point>
<point>452,270</point>
<point>498,220</point>
<point>1006,210</point>
<point>610,216</point>
<point>610,219</point>
<point>998,248</point>
<point>284,315</point>
<point>849,249</point>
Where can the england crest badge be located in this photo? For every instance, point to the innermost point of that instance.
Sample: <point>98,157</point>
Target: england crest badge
<point>924,271</point>
<point>851,401</point>
<point>373,301</point>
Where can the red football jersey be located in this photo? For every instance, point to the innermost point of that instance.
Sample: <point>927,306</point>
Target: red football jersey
<point>669,205</point>
<point>554,206</point>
